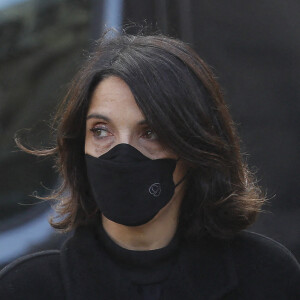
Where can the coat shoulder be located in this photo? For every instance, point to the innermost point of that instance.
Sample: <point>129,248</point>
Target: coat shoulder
<point>260,247</point>
<point>35,276</point>
<point>265,264</point>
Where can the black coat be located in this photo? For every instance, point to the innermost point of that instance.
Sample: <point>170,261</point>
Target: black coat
<point>250,266</point>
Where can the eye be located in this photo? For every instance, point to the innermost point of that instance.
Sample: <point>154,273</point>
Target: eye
<point>100,132</point>
<point>149,134</point>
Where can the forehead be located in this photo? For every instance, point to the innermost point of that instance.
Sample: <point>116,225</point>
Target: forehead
<point>114,97</point>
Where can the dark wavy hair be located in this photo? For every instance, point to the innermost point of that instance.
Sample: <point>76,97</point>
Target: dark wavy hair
<point>182,102</point>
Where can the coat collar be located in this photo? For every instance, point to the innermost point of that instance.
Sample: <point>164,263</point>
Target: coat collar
<point>207,269</point>
<point>204,271</point>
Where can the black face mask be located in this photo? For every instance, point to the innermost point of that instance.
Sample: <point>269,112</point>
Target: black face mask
<point>130,188</point>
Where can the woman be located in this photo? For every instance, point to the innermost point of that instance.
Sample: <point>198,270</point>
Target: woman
<point>158,193</point>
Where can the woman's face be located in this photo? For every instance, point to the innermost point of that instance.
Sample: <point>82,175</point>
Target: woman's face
<point>113,117</point>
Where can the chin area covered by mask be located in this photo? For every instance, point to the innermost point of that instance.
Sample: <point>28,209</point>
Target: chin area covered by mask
<point>128,187</point>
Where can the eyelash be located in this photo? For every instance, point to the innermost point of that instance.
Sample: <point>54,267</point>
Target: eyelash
<point>96,130</point>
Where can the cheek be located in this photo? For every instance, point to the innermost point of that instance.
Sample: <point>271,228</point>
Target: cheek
<point>152,150</point>
<point>95,148</point>
<point>157,150</point>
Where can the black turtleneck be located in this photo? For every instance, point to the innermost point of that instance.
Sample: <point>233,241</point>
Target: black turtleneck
<point>147,270</point>
<point>246,267</point>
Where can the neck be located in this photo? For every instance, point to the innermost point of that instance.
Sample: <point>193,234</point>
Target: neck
<point>155,234</point>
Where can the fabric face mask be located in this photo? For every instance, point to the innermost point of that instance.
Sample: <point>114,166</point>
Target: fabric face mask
<point>128,187</point>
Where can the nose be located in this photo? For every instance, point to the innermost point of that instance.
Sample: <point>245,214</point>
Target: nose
<point>125,137</point>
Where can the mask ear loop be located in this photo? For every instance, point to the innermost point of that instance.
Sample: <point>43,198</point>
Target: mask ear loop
<point>183,178</point>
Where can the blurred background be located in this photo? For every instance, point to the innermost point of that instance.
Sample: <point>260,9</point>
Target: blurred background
<point>253,47</point>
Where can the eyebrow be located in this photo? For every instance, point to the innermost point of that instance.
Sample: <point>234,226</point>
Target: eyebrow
<point>99,116</point>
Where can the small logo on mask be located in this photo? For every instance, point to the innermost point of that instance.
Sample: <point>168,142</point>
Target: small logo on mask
<point>155,189</point>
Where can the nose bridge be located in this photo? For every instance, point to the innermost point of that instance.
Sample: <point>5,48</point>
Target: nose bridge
<point>125,137</point>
